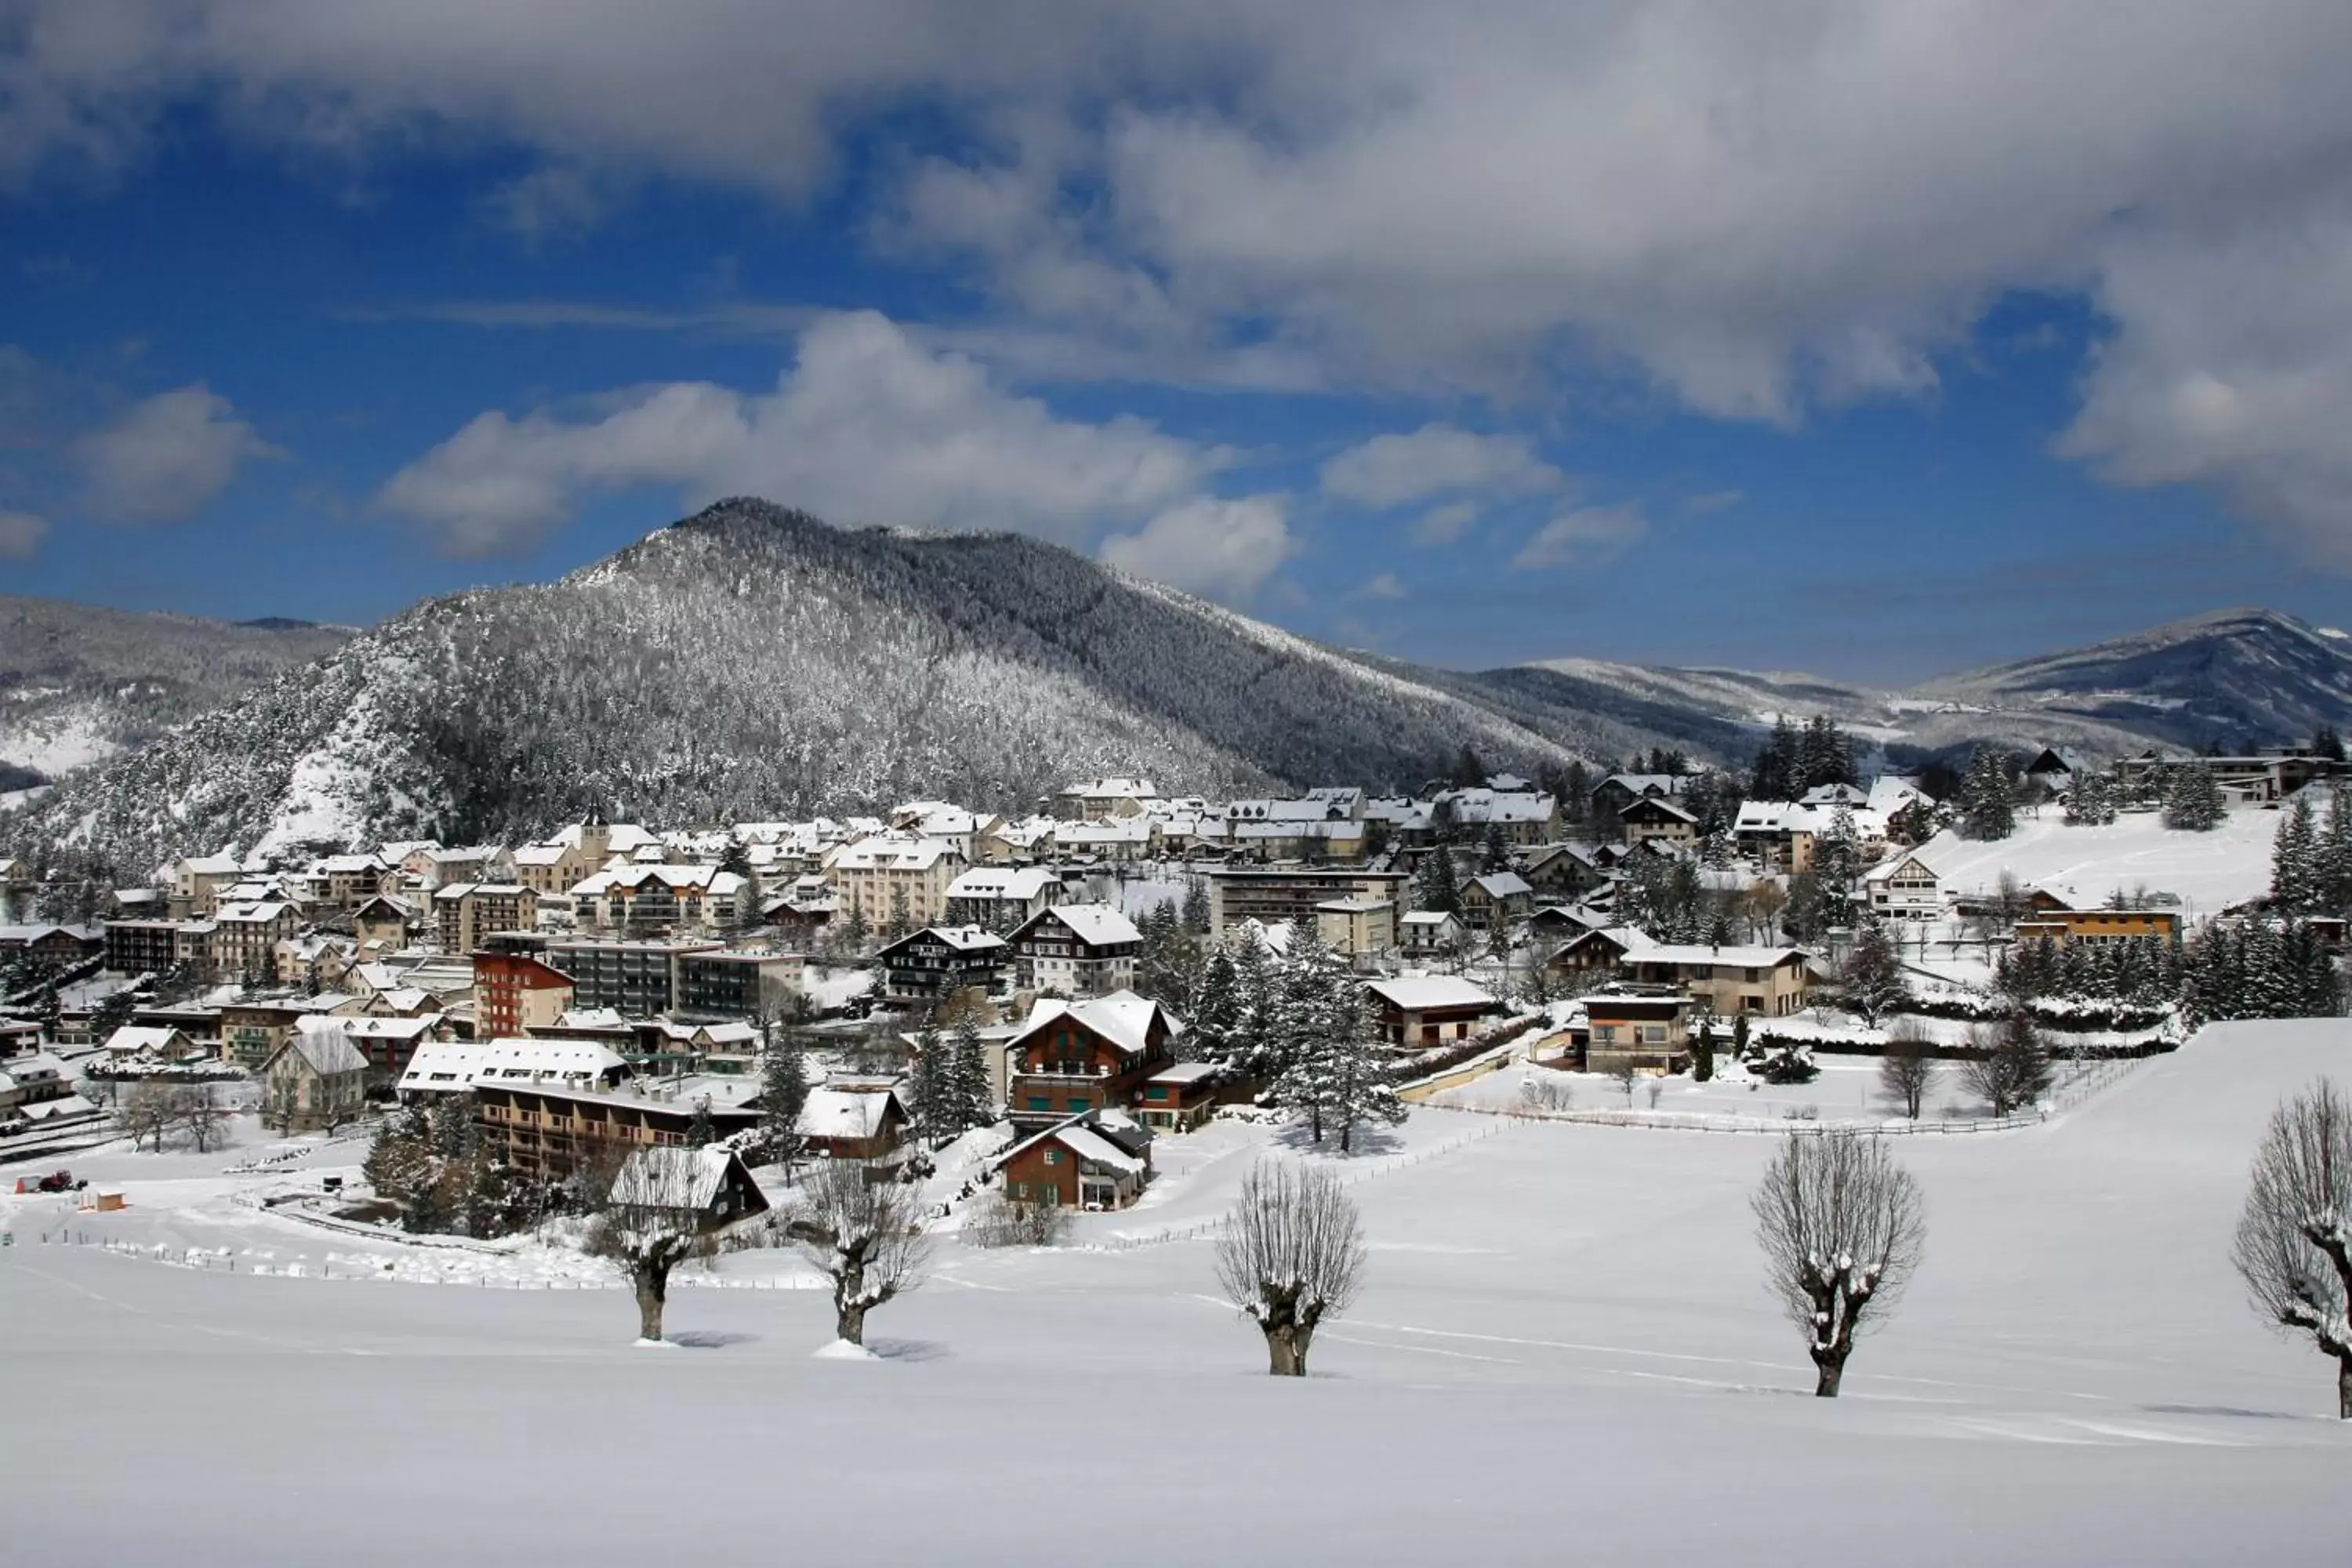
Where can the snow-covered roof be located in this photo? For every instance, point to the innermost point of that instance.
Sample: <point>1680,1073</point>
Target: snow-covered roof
<point>1415,993</point>
<point>1097,925</point>
<point>1652,802</point>
<point>960,938</point>
<point>1123,1018</point>
<point>1185,1072</point>
<point>1643,784</point>
<point>460,1064</point>
<point>1431,918</point>
<point>672,1178</point>
<point>891,852</point>
<point>1112,789</point>
<point>1096,1136</point>
<point>1016,883</point>
<point>1698,952</point>
<point>369,1028</point>
<point>1502,884</point>
<point>135,1039</point>
<point>328,1051</point>
<point>1095,1149</point>
<point>847,1113</point>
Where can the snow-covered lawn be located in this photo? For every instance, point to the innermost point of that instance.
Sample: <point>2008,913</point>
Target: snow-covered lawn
<point>1564,1352</point>
<point>2209,871</point>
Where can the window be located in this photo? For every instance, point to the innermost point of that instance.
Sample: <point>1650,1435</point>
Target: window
<point>1077,1102</point>
<point>1604,1034</point>
<point>1053,1156</point>
<point>1041,1102</point>
<point>1654,1034</point>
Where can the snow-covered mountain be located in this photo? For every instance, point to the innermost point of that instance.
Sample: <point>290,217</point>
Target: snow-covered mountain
<point>752,661</point>
<point>2233,676</point>
<point>78,684</point>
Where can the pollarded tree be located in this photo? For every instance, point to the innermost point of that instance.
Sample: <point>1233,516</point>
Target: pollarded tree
<point>1290,1255</point>
<point>861,1227</point>
<point>654,1214</point>
<point>2294,1248</point>
<point>1841,1226</point>
<point>1875,986</point>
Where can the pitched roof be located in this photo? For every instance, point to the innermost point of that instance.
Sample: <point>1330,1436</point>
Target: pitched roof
<point>1097,925</point>
<point>1122,1018</point>
<point>845,1113</point>
<point>328,1051</point>
<point>673,1178</point>
<point>962,939</point>
<point>1416,992</point>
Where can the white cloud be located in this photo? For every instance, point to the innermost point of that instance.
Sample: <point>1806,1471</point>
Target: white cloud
<point>1386,585</point>
<point>1222,549</point>
<point>1592,536</point>
<point>1436,459</point>
<point>1748,210</point>
<point>867,425</point>
<point>21,533</point>
<point>1444,524</point>
<point>2230,367</point>
<point>557,201</point>
<point>167,458</point>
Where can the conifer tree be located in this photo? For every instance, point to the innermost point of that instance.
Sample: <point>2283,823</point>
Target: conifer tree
<point>2332,856</point>
<point>1873,972</point>
<point>2192,798</point>
<point>2091,801</point>
<point>931,1092</point>
<point>784,1092</point>
<point>1196,907</point>
<point>2295,861</point>
<point>1434,887</point>
<point>1989,795</point>
<point>974,1095</point>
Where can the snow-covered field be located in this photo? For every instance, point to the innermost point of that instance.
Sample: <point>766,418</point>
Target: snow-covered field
<point>1564,1353</point>
<point>2209,871</point>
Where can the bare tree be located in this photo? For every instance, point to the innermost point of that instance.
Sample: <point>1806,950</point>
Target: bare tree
<point>2008,1067</point>
<point>657,1210</point>
<point>1627,1075</point>
<point>205,1115</point>
<point>1907,1073</point>
<point>1290,1255</point>
<point>151,1113</point>
<point>1841,1227</point>
<point>863,1231</point>
<point>2295,1238</point>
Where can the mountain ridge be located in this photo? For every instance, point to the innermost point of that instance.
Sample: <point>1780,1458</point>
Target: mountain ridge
<point>752,660</point>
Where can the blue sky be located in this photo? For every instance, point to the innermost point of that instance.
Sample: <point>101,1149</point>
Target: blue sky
<point>1865,342</point>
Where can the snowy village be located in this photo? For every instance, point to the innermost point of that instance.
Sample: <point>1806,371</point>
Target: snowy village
<point>1332,785</point>
<point>772,1054</point>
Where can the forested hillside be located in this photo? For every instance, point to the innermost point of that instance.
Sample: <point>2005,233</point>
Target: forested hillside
<point>754,662</point>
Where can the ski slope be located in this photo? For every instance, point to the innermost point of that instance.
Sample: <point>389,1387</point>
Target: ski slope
<point>1564,1353</point>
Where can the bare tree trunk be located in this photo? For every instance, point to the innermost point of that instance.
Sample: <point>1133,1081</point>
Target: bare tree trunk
<point>1285,1350</point>
<point>849,1322</point>
<point>2344,1388</point>
<point>653,1291</point>
<point>1832,1373</point>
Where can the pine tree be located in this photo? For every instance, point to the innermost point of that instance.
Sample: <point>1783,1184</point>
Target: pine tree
<point>2091,801</point>
<point>1214,1009</point>
<point>974,1097</point>
<point>2192,798</point>
<point>931,1093</point>
<point>1333,1080</point>
<point>1434,887</point>
<point>2295,861</point>
<point>1873,972</point>
<point>1989,795</point>
<point>1774,775</point>
<point>2333,857</point>
<point>1196,907</point>
<point>783,1093</point>
<point>1494,851</point>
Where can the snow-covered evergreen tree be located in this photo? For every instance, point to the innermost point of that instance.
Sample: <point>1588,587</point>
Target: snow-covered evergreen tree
<point>2091,801</point>
<point>2192,798</point>
<point>1875,986</point>
<point>1434,887</point>
<point>1989,795</point>
<point>2295,861</point>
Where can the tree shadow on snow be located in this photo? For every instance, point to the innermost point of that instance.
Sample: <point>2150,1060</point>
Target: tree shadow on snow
<point>709,1340</point>
<point>2232,1410</point>
<point>1367,1142</point>
<point>908,1350</point>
